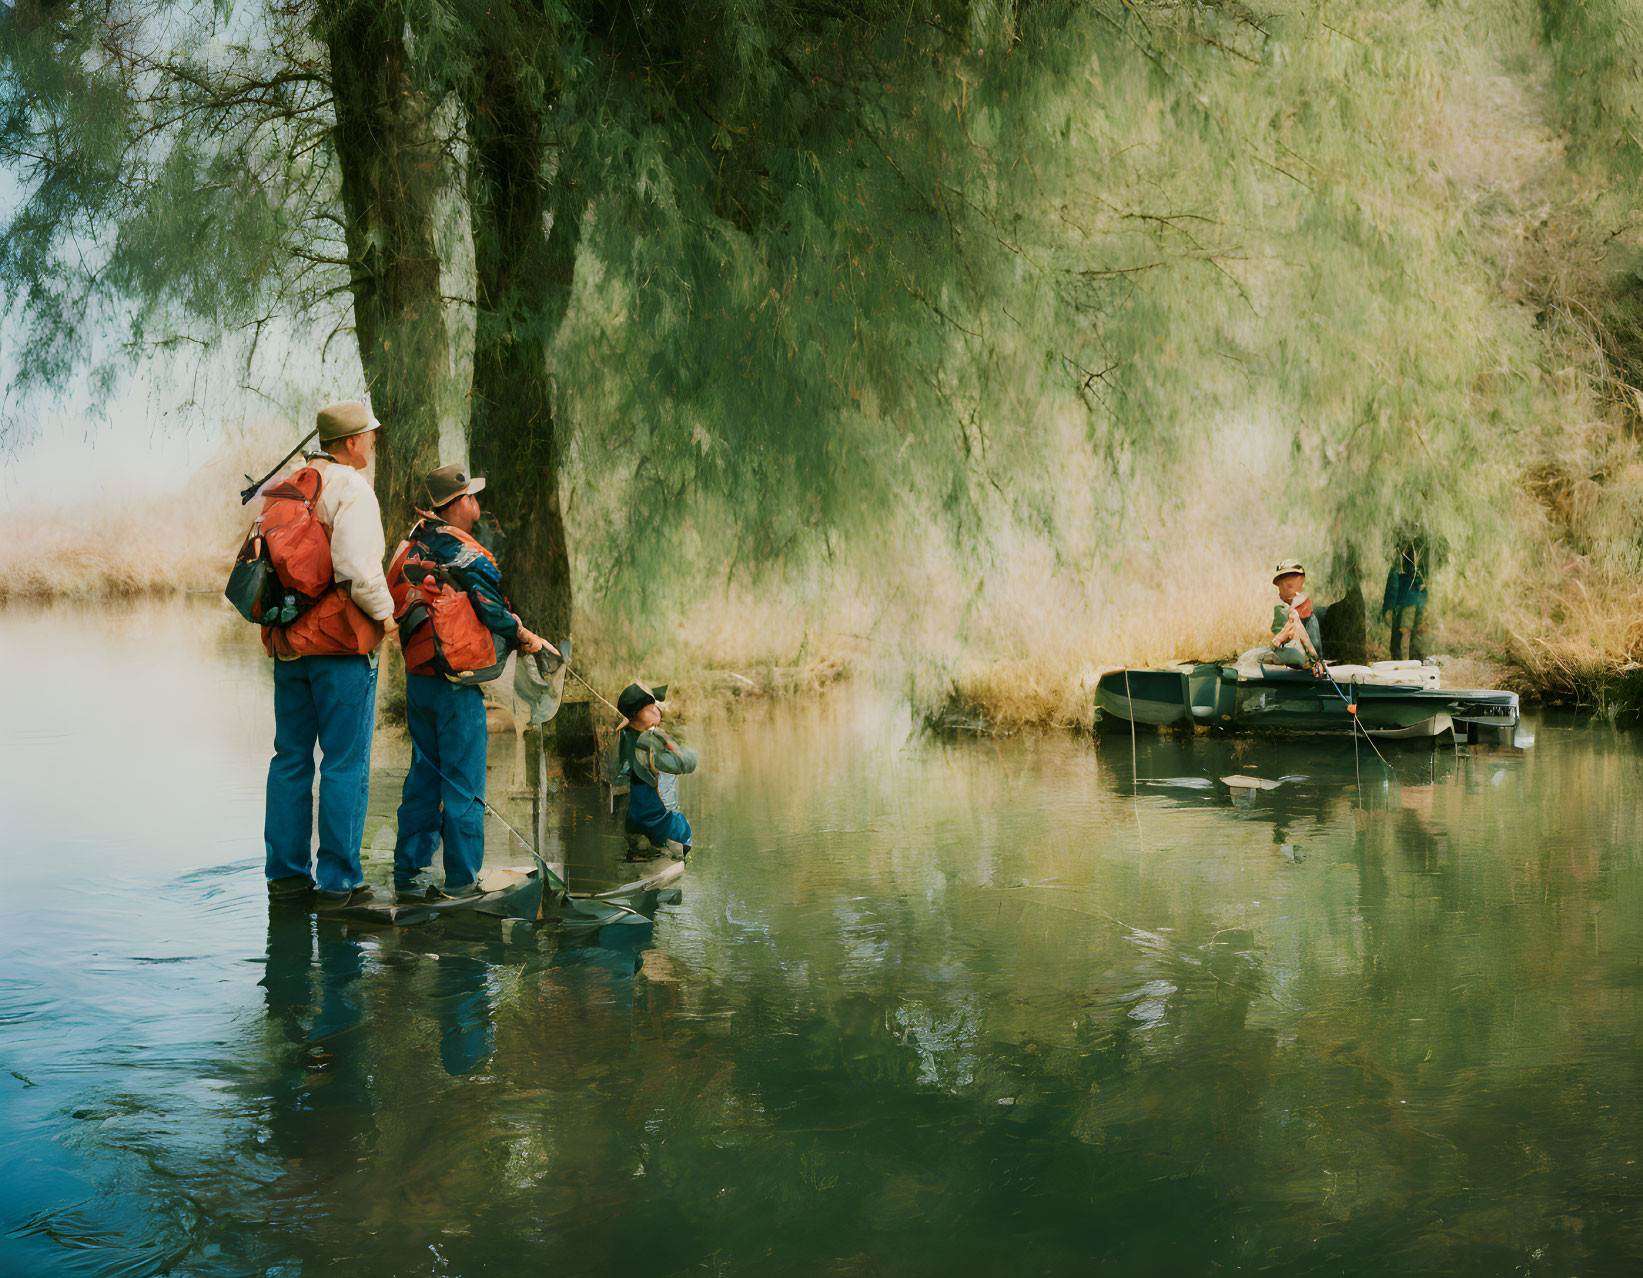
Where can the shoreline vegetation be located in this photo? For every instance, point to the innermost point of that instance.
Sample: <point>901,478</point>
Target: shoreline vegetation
<point>1420,305</point>
<point>737,645</point>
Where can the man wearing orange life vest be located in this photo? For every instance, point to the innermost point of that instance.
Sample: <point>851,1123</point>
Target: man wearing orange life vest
<point>325,676</point>
<point>456,629</point>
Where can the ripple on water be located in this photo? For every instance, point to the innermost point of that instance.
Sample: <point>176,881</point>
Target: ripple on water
<point>982,1007</point>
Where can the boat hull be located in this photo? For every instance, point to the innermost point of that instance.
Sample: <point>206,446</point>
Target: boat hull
<point>1178,695</point>
<point>1293,702</point>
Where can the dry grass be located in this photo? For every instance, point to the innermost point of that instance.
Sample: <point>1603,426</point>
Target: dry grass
<point>142,545</point>
<point>1590,651</point>
<point>1576,634</point>
<point>104,557</point>
<point>728,645</point>
<point>1063,649</point>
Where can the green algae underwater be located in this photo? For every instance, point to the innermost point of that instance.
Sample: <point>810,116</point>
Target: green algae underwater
<point>924,1008</point>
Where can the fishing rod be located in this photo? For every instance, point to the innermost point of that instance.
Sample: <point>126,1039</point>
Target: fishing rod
<point>1305,640</point>
<point>579,679</point>
<point>662,688</point>
<point>465,793</point>
<point>1321,670</point>
<point>251,489</point>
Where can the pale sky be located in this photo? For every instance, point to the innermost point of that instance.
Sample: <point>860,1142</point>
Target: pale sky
<point>141,442</point>
<point>67,452</point>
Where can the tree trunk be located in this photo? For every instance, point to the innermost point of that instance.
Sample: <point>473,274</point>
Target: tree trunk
<point>524,271</point>
<point>390,167</point>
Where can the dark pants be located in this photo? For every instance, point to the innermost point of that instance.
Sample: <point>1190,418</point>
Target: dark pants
<point>1408,623</point>
<point>447,727</point>
<point>330,701</point>
<point>649,816</point>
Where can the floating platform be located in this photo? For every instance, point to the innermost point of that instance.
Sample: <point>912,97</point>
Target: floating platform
<point>533,895</point>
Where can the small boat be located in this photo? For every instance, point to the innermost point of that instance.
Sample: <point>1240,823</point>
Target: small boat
<point>1396,699</point>
<point>630,904</point>
<point>532,895</point>
<point>505,894</point>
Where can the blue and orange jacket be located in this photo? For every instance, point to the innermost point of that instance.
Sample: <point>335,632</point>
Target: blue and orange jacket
<point>474,572</point>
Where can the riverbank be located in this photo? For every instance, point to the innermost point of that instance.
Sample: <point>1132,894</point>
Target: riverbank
<point>1581,651</point>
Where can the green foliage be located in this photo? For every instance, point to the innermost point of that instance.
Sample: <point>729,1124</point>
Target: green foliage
<point>176,185</point>
<point>1597,50</point>
<point>780,285</point>
<point>1205,235</point>
<point>1065,283</point>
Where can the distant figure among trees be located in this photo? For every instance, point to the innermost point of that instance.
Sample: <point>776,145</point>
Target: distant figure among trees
<point>1403,606</point>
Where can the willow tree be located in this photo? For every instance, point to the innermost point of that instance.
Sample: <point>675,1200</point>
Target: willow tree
<point>194,179</point>
<point>773,197</point>
<point>525,219</point>
<point>190,176</point>
<point>390,166</point>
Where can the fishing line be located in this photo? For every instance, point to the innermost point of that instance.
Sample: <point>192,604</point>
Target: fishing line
<point>1357,725</point>
<point>1135,768</point>
<point>474,798</point>
<point>579,679</point>
<point>1357,771</point>
<point>469,795</point>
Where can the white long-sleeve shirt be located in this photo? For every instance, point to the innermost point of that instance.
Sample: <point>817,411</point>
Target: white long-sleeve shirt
<point>348,507</point>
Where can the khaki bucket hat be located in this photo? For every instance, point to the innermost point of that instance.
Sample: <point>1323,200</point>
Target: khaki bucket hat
<point>1287,568</point>
<point>448,483</point>
<point>344,418</point>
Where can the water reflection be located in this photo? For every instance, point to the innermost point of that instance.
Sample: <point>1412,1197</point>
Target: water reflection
<point>925,1008</point>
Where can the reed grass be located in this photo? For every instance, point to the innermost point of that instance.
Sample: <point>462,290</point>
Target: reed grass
<point>143,544</point>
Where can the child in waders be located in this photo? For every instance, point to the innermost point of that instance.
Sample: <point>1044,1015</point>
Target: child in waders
<point>653,762</point>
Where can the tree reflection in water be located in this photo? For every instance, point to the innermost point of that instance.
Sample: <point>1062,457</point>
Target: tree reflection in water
<point>958,1009</point>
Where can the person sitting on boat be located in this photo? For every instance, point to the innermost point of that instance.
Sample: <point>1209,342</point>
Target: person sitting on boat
<point>652,762</point>
<point>456,629</point>
<point>1295,639</point>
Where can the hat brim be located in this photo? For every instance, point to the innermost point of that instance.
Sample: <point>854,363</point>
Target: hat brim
<point>353,434</point>
<point>654,700</point>
<point>1293,572</point>
<point>467,490</point>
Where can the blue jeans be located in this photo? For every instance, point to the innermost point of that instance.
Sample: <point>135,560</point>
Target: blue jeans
<point>332,701</point>
<point>649,816</point>
<point>447,727</point>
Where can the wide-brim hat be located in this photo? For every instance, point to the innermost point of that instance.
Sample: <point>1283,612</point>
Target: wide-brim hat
<point>448,483</point>
<point>1288,568</point>
<point>344,418</point>
<point>635,697</point>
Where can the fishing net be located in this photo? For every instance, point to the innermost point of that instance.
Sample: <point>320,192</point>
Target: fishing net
<point>539,683</point>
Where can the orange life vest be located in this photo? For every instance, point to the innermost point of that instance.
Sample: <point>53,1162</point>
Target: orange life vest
<point>326,622</point>
<point>439,631</point>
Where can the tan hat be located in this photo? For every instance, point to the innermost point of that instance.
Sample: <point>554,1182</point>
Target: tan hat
<point>1287,568</point>
<point>344,418</point>
<point>448,483</point>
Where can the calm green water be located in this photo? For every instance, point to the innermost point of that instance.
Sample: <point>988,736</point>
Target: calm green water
<point>970,1009</point>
